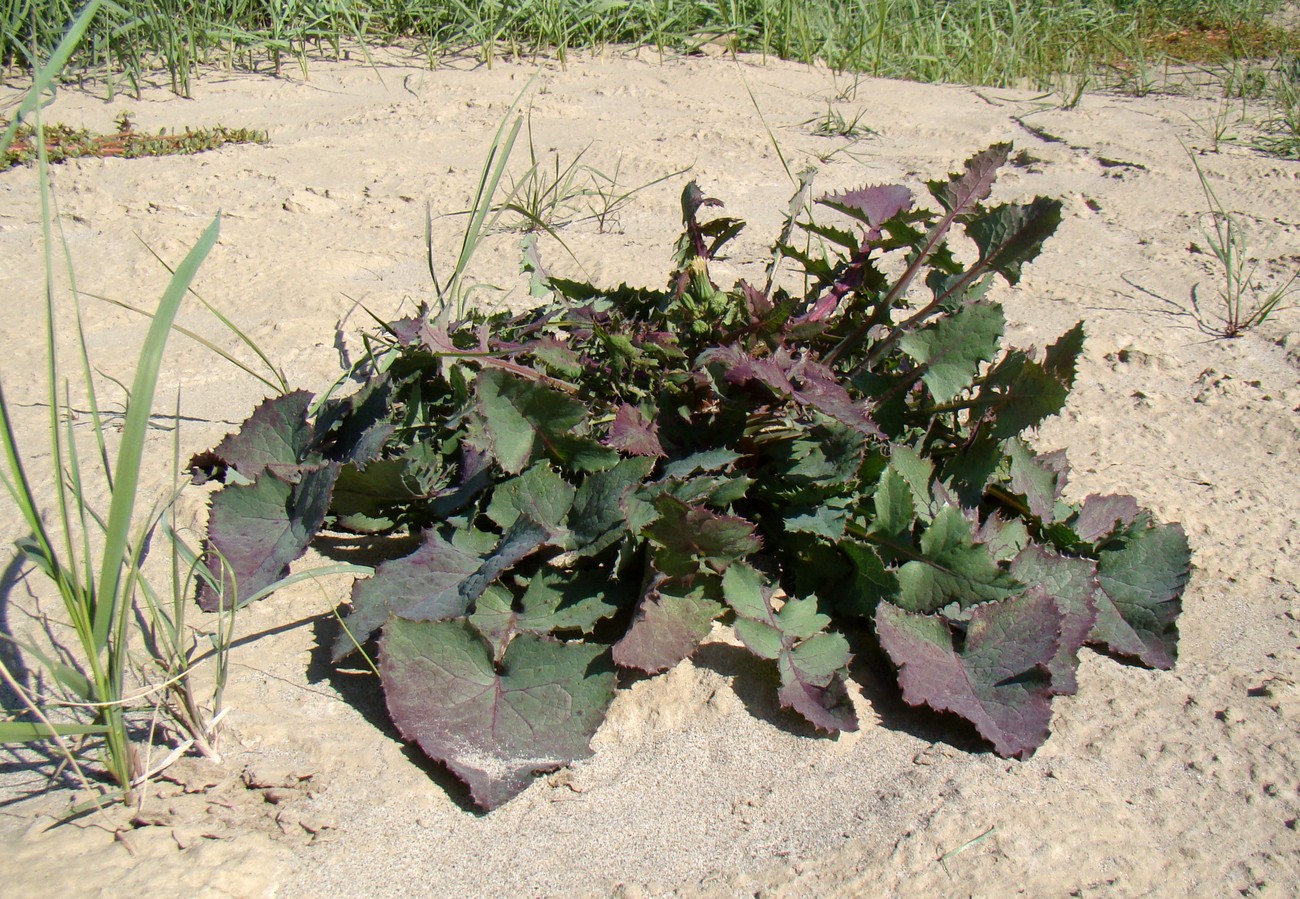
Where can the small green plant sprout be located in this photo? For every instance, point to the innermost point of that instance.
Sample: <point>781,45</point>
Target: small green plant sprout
<point>1246,296</point>
<point>832,460</point>
<point>551,195</point>
<point>832,123</point>
<point>1219,127</point>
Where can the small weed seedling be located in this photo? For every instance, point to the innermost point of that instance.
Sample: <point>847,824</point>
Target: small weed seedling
<point>1244,299</point>
<point>832,123</point>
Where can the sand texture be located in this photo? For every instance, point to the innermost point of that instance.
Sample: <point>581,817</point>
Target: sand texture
<point>1175,783</point>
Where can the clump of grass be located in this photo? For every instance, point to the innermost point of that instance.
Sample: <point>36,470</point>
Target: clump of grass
<point>993,42</point>
<point>833,123</point>
<point>1245,298</point>
<point>1279,133</point>
<point>121,650</point>
<point>62,142</point>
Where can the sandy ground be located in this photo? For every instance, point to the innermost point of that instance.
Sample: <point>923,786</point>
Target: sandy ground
<point>1153,783</point>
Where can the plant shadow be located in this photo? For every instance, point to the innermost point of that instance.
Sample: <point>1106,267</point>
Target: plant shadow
<point>756,682</point>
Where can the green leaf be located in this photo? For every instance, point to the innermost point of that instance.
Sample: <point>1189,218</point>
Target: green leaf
<point>953,569</point>
<point>952,348</point>
<point>1019,394</point>
<point>571,600</point>
<point>32,731</point>
<point>130,451</point>
<point>917,471</point>
<point>599,514</point>
<point>539,493</point>
<point>813,663</point>
<point>1142,584</point>
<point>823,521</point>
<point>1038,478</point>
<point>495,726</point>
<point>1010,236</point>
<point>689,537</point>
<point>523,418</point>
<point>1062,357</point>
<point>363,500</point>
<point>895,512</point>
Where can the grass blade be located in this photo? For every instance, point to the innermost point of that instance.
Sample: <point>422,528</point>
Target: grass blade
<point>131,450</point>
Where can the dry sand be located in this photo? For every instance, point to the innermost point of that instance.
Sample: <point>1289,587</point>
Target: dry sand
<point>1153,783</point>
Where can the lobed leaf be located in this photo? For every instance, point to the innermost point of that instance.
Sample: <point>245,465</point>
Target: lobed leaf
<point>255,530</point>
<point>952,348</point>
<point>668,627</point>
<point>813,662</point>
<point>1142,585</point>
<point>1072,586</point>
<point>276,435</point>
<point>494,725</point>
<point>952,569</point>
<point>997,678</point>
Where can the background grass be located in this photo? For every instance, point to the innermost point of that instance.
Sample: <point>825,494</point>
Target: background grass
<point>994,42</point>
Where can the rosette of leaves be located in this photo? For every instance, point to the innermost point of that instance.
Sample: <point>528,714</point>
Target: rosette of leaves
<point>596,482</point>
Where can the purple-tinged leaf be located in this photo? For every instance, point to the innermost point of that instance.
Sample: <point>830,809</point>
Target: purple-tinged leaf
<point>1142,585</point>
<point>961,192</point>
<point>998,680</point>
<point>431,576</point>
<point>255,530</point>
<point>803,380</point>
<point>634,434</point>
<point>953,568</point>
<point>813,663</point>
<point>276,435</point>
<point>668,627</point>
<point>1102,516</point>
<point>873,205</point>
<point>813,682</point>
<point>355,428</point>
<point>689,537</point>
<point>494,726</point>
<point>600,508</point>
<point>1010,236</point>
<point>520,541</point>
<point>1073,586</point>
<point>406,331</point>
